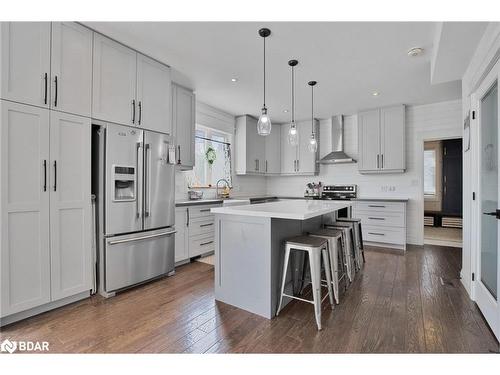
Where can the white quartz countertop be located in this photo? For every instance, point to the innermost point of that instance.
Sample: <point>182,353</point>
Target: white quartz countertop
<point>286,209</point>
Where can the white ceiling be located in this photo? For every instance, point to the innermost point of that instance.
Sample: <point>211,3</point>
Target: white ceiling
<point>349,60</point>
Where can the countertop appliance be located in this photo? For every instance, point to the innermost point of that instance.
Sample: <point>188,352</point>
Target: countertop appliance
<point>133,180</point>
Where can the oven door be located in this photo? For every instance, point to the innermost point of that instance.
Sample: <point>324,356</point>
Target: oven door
<point>134,258</point>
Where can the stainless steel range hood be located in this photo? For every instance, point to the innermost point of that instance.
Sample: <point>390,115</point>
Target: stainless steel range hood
<point>337,154</point>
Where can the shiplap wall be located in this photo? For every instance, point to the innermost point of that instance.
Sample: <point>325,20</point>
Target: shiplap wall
<point>423,122</point>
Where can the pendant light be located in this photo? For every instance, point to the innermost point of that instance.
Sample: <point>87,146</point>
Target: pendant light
<point>264,123</point>
<point>313,141</point>
<point>293,135</point>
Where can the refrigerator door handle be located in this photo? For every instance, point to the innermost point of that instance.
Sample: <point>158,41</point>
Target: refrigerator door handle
<point>137,166</point>
<point>147,180</point>
<point>142,237</point>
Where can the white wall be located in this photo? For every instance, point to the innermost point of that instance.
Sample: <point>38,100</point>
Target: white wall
<point>423,122</point>
<point>242,185</point>
<point>484,58</point>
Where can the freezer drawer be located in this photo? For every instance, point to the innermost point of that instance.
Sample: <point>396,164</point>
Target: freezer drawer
<point>132,259</point>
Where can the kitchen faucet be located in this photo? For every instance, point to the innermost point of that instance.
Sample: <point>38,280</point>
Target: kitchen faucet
<point>217,188</point>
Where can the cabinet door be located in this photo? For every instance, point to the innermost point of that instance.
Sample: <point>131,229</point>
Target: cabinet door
<point>256,148</point>
<point>24,206</point>
<point>25,62</point>
<point>71,68</point>
<point>392,139</point>
<point>114,82</point>
<point>369,140</point>
<point>184,120</point>
<point>273,151</point>
<point>153,95</point>
<point>288,153</point>
<point>70,204</point>
<point>306,160</point>
<point>181,237</point>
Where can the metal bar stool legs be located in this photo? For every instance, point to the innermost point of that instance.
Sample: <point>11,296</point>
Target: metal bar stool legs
<point>358,234</point>
<point>317,249</point>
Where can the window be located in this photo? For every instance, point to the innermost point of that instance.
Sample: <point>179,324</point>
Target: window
<point>212,157</point>
<point>430,172</point>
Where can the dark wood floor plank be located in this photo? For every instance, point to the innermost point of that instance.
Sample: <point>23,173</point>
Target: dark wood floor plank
<point>397,303</point>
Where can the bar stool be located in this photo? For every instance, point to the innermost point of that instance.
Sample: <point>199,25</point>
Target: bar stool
<point>316,248</point>
<point>358,232</point>
<point>348,247</point>
<point>354,243</point>
<point>337,263</point>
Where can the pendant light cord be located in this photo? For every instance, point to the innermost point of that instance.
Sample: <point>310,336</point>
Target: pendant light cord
<point>293,95</point>
<point>312,109</point>
<point>264,72</point>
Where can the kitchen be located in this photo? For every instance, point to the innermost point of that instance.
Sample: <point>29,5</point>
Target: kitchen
<point>174,206</point>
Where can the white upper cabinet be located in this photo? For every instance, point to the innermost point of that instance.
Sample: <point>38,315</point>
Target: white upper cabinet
<point>288,153</point>
<point>381,141</point>
<point>272,164</point>
<point>307,160</point>
<point>71,68</point>
<point>183,120</point>
<point>392,140</point>
<point>25,62</point>
<point>153,95</point>
<point>114,82</point>
<point>24,207</point>
<point>250,148</point>
<point>369,140</point>
<point>70,206</point>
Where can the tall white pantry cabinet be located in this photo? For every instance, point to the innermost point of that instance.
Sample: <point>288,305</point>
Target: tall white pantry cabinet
<point>45,167</point>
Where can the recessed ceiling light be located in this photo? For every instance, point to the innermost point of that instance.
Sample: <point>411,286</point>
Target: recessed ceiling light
<point>285,111</point>
<point>375,93</point>
<point>234,79</point>
<point>415,51</point>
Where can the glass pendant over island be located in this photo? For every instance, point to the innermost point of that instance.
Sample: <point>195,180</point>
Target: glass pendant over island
<point>313,141</point>
<point>293,135</point>
<point>264,123</point>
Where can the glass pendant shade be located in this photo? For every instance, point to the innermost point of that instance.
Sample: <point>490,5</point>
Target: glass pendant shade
<point>293,134</point>
<point>264,124</point>
<point>313,143</point>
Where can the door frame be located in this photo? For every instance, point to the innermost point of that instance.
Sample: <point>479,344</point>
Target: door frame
<point>476,211</point>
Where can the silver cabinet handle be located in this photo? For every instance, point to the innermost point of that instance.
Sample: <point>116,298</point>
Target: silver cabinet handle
<point>133,111</point>
<point>376,234</point>
<point>206,225</point>
<point>376,218</point>
<point>187,214</point>
<point>147,179</point>
<point>45,78</point>
<point>137,199</point>
<point>140,113</point>
<point>378,155</point>
<point>55,94</point>
<point>205,210</point>
<point>298,165</point>
<point>382,160</point>
<point>44,175</point>
<point>55,175</point>
<point>179,154</point>
<point>375,206</point>
<point>206,243</point>
<point>142,238</point>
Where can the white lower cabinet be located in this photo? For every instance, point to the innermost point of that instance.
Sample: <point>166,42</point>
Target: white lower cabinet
<point>195,231</point>
<point>383,222</point>
<point>45,206</point>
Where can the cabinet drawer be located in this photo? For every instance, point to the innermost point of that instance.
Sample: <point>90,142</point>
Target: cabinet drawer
<point>379,206</point>
<point>201,244</point>
<point>381,218</point>
<point>373,233</point>
<point>202,225</point>
<point>201,211</point>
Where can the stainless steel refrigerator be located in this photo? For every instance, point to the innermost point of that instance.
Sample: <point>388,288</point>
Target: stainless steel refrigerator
<point>133,180</point>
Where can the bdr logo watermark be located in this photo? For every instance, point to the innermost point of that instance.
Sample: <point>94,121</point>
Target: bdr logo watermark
<point>24,346</point>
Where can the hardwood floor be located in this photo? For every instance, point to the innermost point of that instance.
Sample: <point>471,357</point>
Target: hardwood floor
<point>397,304</point>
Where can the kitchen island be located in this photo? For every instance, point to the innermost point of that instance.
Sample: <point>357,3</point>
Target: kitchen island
<point>249,248</point>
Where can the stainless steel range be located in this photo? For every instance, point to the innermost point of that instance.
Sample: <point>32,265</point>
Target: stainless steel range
<point>339,192</point>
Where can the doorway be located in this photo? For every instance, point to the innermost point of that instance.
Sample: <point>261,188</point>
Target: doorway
<point>443,192</point>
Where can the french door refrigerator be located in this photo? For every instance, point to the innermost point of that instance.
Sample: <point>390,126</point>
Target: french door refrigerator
<point>133,180</point>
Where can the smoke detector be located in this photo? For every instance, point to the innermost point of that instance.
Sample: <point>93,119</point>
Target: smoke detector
<point>415,51</point>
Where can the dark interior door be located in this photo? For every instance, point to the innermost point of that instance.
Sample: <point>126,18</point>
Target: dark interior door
<point>452,177</point>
